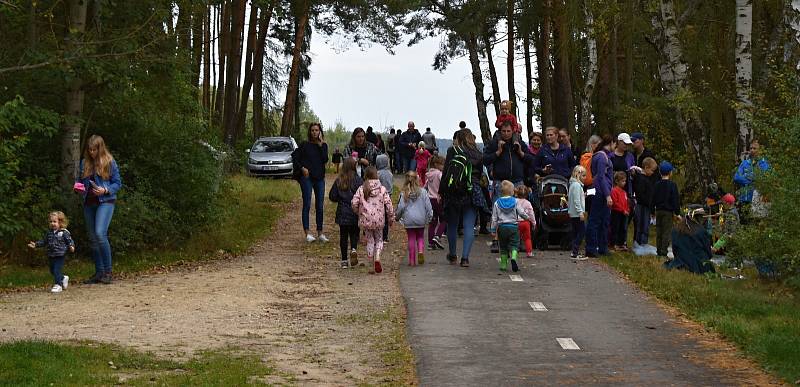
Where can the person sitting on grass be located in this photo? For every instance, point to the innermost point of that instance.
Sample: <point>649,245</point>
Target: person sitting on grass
<point>691,244</point>
<point>506,212</point>
<point>58,241</point>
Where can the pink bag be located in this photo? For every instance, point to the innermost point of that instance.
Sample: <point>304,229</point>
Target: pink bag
<point>79,187</point>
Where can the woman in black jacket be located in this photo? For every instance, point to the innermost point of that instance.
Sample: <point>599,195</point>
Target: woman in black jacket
<point>312,156</point>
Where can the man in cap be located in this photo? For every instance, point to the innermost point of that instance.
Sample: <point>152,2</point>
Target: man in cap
<point>639,150</point>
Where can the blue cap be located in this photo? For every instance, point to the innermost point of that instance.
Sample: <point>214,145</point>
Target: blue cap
<point>637,136</point>
<point>665,167</point>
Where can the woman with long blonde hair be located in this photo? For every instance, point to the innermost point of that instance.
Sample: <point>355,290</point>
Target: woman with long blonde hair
<point>98,181</point>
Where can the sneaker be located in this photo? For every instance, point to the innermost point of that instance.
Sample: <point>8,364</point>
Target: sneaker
<point>56,289</point>
<point>65,282</point>
<point>464,262</point>
<point>345,264</point>
<point>495,247</point>
<point>432,247</point>
<point>438,244</point>
<point>378,267</point>
<point>514,266</point>
<point>310,238</point>
<point>421,258</point>
<point>322,238</point>
<point>578,257</point>
<point>106,278</point>
<point>452,259</point>
<point>530,255</point>
<point>95,279</point>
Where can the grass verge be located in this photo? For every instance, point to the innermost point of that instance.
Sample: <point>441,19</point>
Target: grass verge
<point>249,206</point>
<point>42,363</point>
<point>761,318</point>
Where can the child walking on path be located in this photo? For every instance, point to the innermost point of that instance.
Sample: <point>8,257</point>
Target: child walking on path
<point>414,212</point>
<point>576,207</point>
<point>58,241</point>
<point>373,204</point>
<point>505,216</point>
<point>342,193</point>
<point>526,226</point>
<point>433,179</point>
<point>422,156</point>
<point>619,212</point>
<point>666,203</point>
<point>387,181</point>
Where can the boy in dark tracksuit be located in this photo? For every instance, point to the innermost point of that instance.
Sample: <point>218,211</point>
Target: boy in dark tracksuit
<point>666,204</point>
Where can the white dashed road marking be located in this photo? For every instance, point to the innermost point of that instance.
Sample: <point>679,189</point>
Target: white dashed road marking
<point>567,343</point>
<point>537,306</point>
<point>516,277</point>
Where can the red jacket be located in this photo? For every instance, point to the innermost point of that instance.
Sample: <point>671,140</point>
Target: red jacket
<point>620,199</point>
<point>515,126</point>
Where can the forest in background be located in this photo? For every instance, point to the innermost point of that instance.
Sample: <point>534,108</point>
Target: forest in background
<point>169,85</point>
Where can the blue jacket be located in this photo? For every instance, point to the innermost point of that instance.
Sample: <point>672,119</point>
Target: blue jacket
<point>561,160</point>
<point>744,177</point>
<point>508,166</point>
<point>602,173</point>
<point>113,184</point>
<point>57,242</point>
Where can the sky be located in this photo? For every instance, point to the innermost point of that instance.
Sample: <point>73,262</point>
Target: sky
<point>370,87</point>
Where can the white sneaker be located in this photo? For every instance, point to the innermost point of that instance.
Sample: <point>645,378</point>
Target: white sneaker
<point>322,238</point>
<point>56,289</point>
<point>65,282</point>
<point>310,238</point>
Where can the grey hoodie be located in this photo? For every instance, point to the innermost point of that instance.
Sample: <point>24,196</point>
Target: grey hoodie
<point>576,202</point>
<point>507,210</point>
<point>384,174</point>
<point>415,211</point>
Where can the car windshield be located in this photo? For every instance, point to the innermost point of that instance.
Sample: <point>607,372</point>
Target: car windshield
<point>271,146</point>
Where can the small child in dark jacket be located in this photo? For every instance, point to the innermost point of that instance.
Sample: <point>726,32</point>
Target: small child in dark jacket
<point>643,186</point>
<point>342,193</point>
<point>666,204</point>
<point>58,241</point>
<point>619,212</point>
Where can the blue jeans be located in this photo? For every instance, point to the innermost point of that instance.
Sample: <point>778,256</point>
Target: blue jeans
<point>56,268</point>
<point>469,213</point>
<point>97,220</point>
<point>641,224</point>
<point>597,229</point>
<point>306,185</point>
<point>409,164</point>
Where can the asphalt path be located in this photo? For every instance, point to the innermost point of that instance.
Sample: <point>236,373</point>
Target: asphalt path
<point>476,327</point>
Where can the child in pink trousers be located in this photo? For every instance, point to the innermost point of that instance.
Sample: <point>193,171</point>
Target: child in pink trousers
<point>373,206</point>
<point>414,211</point>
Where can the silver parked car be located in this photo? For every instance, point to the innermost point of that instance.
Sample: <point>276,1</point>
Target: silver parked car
<point>271,156</point>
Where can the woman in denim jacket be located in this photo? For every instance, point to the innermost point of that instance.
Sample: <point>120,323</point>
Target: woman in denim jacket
<point>98,181</point>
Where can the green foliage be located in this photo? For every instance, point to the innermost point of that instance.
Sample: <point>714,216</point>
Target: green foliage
<point>19,123</point>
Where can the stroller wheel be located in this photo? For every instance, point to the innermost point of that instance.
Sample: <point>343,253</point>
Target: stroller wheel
<point>543,241</point>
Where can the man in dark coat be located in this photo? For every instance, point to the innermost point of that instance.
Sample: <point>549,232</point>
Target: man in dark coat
<point>408,145</point>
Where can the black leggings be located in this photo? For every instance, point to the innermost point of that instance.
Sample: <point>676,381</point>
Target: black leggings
<point>345,232</point>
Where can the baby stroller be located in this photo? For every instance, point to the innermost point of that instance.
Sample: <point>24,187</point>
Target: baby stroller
<point>554,222</point>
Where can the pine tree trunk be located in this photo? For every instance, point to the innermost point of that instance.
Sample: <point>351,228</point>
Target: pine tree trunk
<point>744,75</point>
<point>526,43</point>
<point>207,60</point>
<point>234,71</point>
<point>674,78</point>
<point>244,94</point>
<point>564,107</point>
<point>471,41</point>
<point>73,109</point>
<point>487,43</point>
<point>543,70</point>
<point>293,87</point>
<point>183,27</point>
<point>591,73</point>
<point>512,94</point>
<point>256,45</point>
<point>198,16</point>
<point>223,45</point>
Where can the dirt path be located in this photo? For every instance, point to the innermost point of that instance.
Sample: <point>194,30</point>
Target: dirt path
<point>286,301</point>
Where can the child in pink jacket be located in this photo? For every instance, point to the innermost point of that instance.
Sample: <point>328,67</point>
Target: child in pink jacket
<point>373,206</point>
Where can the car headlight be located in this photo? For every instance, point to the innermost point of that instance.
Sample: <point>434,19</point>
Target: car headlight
<point>251,161</point>
<point>288,161</point>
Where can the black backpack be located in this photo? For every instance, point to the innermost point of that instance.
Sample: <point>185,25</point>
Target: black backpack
<point>457,176</point>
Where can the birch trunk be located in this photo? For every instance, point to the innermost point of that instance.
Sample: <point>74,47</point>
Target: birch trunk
<point>487,43</point>
<point>526,43</point>
<point>793,23</point>
<point>674,74</point>
<point>591,73</point>
<point>512,94</point>
<point>71,126</point>
<point>207,61</point>
<point>744,75</point>
<point>293,87</point>
<point>471,41</point>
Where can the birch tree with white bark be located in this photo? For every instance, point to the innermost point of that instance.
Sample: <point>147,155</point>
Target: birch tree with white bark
<point>744,75</point>
<point>591,71</point>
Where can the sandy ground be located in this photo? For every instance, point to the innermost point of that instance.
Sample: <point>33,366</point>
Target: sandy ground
<point>286,301</point>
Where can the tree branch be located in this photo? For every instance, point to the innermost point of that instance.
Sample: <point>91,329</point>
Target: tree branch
<point>687,13</point>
